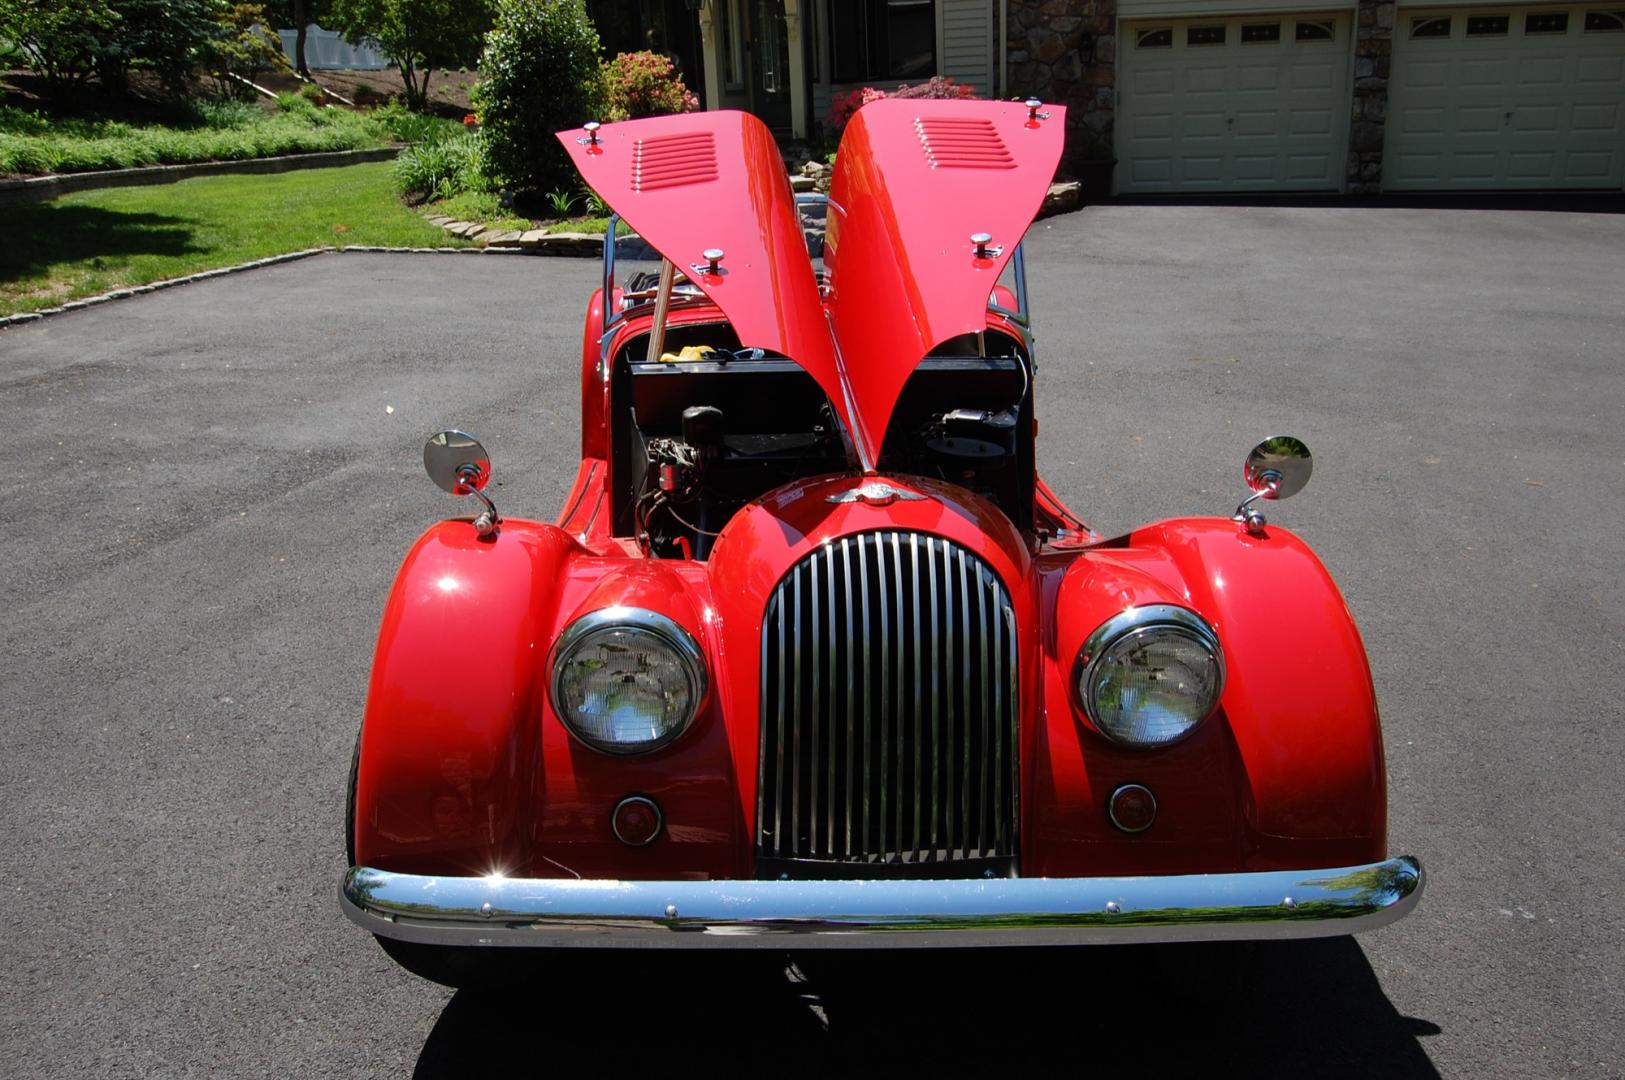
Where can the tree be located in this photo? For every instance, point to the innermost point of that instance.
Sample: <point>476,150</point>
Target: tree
<point>417,35</point>
<point>540,72</point>
<point>60,39</point>
<point>69,41</point>
<point>167,37</point>
<point>296,15</point>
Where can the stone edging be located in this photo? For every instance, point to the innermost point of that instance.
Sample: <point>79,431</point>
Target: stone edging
<point>170,283</point>
<point>39,188</point>
<point>531,241</point>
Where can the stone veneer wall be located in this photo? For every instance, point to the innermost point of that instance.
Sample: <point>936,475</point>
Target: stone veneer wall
<point>1047,53</point>
<point>1373,53</point>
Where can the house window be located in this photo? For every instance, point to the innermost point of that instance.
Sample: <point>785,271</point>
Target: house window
<point>883,39</point>
<point>1204,35</point>
<point>1546,22</point>
<point>733,48</point>
<point>1261,32</point>
<point>1427,28</point>
<point>1315,31</point>
<point>1160,38</point>
<point>1605,22</point>
<point>1487,25</point>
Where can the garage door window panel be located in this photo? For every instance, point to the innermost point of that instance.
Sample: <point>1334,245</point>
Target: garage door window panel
<point>1314,30</point>
<point>1546,22</point>
<point>1605,22</point>
<point>1260,33</point>
<point>1204,35</point>
<point>1430,28</point>
<point>1488,25</point>
<point>1160,38</point>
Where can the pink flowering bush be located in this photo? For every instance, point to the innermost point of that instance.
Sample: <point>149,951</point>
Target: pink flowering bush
<point>843,105</point>
<point>645,84</point>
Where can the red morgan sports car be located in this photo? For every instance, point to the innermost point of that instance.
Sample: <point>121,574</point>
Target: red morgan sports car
<point>813,657</point>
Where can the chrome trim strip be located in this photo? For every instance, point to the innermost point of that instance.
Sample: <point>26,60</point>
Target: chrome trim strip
<point>851,697</point>
<point>497,911</point>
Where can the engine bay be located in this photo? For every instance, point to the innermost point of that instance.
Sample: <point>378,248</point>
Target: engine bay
<point>709,427</point>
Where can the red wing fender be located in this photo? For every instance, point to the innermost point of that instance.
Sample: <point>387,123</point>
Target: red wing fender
<point>1289,771</point>
<point>1298,690</point>
<point>448,736</point>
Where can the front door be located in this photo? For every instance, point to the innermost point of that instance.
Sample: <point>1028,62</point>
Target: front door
<point>769,64</point>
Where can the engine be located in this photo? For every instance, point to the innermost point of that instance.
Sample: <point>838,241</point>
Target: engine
<point>710,427</point>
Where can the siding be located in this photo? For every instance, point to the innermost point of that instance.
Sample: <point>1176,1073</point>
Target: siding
<point>965,43</point>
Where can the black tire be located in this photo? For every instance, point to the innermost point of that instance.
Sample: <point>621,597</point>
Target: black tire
<point>349,802</point>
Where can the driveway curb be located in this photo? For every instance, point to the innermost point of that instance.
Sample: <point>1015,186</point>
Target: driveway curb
<point>204,275</point>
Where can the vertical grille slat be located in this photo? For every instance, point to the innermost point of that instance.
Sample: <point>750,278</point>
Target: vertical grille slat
<point>888,735</point>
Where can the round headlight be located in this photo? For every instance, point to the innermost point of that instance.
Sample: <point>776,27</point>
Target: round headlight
<point>1149,676</point>
<point>627,680</point>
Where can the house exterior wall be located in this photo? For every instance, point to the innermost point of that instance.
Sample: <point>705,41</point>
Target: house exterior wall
<point>1065,51</point>
<point>1373,54</point>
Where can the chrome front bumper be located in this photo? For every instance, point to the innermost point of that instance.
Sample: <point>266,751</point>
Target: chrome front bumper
<point>880,914</point>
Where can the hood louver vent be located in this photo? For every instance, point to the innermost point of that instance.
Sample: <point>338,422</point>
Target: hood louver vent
<point>963,144</point>
<point>667,161</point>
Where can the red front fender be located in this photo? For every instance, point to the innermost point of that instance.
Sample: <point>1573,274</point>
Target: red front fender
<point>1298,692</point>
<point>1288,772</point>
<point>448,743</point>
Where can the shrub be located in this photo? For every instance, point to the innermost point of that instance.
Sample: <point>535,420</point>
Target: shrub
<point>401,124</point>
<point>222,113</point>
<point>540,73</point>
<point>441,168</point>
<point>842,106</point>
<point>645,84</point>
<point>312,93</point>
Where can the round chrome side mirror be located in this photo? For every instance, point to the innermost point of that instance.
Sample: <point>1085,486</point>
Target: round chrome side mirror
<point>1278,467</point>
<point>457,463</point>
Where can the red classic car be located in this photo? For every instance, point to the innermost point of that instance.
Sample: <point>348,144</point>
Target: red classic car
<point>813,657</point>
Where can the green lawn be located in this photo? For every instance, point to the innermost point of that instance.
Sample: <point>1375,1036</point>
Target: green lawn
<point>96,241</point>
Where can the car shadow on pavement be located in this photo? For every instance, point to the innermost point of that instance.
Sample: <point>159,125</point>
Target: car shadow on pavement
<point>1280,1009</point>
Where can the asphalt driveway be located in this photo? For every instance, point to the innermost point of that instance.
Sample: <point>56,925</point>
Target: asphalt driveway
<point>207,490</point>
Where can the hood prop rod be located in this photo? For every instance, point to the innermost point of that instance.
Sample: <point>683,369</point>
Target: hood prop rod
<point>657,332</point>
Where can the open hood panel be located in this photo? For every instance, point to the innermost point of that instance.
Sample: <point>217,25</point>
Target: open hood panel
<point>913,181</point>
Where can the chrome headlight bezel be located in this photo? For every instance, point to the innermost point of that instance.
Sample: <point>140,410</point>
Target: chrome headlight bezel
<point>663,631</point>
<point>1131,624</point>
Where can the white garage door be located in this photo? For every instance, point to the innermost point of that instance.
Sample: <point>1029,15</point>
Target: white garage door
<point>1529,97</point>
<point>1243,104</point>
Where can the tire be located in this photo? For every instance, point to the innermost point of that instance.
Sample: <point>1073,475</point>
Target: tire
<point>349,802</point>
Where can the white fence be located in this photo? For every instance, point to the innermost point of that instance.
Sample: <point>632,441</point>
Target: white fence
<point>326,50</point>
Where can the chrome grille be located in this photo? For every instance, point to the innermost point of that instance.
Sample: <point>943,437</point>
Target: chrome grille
<point>888,710</point>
